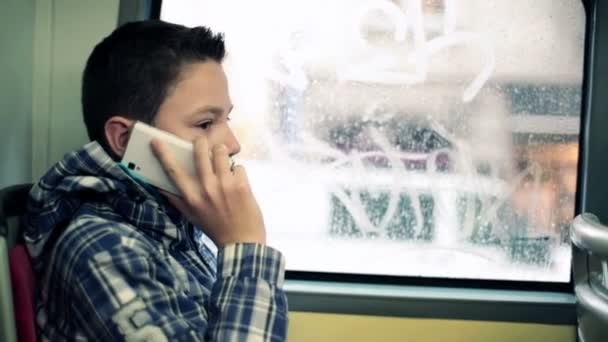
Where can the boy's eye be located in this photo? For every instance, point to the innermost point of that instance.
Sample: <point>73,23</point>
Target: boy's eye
<point>205,125</point>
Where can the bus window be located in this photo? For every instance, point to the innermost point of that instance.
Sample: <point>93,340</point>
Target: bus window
<point>434,138</point>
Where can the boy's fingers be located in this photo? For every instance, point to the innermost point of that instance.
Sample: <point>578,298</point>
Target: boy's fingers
<point>221,161</point>
<point>202,160</point>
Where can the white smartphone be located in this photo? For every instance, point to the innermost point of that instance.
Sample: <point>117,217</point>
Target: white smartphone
<point>141,161</point>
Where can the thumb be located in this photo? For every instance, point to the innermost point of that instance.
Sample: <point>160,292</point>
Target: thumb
<point>178,203</point>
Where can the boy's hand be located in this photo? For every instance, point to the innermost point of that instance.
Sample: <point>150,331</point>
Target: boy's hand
<point>219,199</point>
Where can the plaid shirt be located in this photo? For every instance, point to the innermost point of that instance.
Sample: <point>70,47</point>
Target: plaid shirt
<point>115,262</point>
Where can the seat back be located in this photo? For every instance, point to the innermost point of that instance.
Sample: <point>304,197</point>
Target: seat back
<point>23,286</point>
<point>12,207</point>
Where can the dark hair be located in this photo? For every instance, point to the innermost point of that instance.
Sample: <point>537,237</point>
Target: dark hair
<point>131,72</point>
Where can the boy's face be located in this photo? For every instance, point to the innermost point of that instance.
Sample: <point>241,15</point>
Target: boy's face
<point>199,104</point>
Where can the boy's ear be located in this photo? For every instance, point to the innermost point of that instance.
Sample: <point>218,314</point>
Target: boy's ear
<point>117,130</point>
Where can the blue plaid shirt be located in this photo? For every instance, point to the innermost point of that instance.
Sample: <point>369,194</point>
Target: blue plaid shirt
<point>114,262</point>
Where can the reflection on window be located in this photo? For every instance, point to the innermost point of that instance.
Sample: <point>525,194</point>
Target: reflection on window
<point>415,137</point>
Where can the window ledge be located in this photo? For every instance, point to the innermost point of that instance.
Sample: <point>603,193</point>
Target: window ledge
<point>432,302</point>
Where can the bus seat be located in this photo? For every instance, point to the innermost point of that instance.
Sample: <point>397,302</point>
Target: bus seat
<point>16,274</point>
<point>22,282</point>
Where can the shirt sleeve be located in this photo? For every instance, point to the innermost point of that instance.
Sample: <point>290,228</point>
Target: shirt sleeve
<point>247,301</point>
<point>128,293</point>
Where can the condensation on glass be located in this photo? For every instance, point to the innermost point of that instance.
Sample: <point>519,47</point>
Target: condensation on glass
<point>430,138</point>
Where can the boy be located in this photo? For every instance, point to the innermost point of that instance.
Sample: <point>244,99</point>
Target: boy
<point>117,260</point>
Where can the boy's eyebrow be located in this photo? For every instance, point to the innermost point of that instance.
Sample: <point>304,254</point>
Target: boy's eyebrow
<point>215,110</point>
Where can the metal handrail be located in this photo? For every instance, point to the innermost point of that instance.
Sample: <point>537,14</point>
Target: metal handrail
<point>590,238</point>
<point>592,301</point>
<point>590,235</point>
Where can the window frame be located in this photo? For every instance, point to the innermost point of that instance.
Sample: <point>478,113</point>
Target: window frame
<point>472,299</point>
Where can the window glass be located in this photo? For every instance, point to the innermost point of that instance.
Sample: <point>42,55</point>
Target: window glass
<point>430,138</point>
